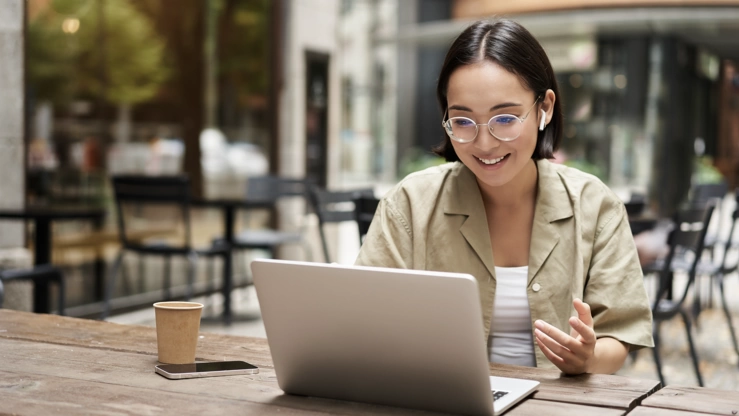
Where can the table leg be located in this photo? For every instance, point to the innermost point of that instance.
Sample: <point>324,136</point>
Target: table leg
<point>42,255</point>
<point>228,224</point>
<point>99,266</point>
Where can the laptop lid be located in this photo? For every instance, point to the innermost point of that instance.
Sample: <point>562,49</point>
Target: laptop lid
<point>397,337</point>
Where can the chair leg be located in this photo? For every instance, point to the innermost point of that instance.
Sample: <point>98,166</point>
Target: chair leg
<point>111,285</point>
<point>211,274</point>
<point>725,307</point>
<point>62,287</point>
<point>127,287</point>
<point>655,351</point>
<point>192,263</point>
<point>167,281</point>
<point>693,354</point>
<point>142,276</point>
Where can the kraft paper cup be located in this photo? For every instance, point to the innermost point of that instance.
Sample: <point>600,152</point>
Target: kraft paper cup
<point>178,324</point>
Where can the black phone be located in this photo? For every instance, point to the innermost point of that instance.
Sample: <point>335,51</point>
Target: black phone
<point>205,369</point>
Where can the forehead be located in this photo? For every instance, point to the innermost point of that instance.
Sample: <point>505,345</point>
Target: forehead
<point>484,81</point>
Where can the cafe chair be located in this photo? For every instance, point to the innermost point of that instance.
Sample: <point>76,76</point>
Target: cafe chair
<point>687,235</point>
<point>335,207</point>
<point>728,265</point>
<point>364,212</point>
<point>142,202</point>
<point>704,193</point>
<point>44,272</point>
<point>268,190</point>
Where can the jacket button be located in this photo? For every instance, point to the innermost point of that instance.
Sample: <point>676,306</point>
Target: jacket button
<point>536,287</point>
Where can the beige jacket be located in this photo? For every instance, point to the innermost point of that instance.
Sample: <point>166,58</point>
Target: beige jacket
<point>581,246</point>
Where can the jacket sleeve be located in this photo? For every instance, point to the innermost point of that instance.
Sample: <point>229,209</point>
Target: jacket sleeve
<point>615,284</point>
<point>389,241</point>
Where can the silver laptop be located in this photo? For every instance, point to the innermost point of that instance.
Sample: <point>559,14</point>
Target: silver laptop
<point>396,337</point>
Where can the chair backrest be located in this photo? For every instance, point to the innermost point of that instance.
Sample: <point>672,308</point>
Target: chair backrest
<point>636,204</point>
<point>270,188</point>
<point>364,212</point>
<point>145,203</point>
<point>334,207</point>
<point>688,234</point>
<point>702,193</point>
<point>729,244</point>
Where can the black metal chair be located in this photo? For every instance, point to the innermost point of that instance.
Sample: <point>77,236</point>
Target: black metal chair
<point>364,212</point>
<point>703,193</point>
<point>724,268</point>
<point>335,207</point>
<point>687,235</point>
<point>44,272</point>
<point>270,190</point>
<point>145,200</point>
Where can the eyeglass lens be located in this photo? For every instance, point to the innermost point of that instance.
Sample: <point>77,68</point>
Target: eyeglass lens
<point>503,127</point>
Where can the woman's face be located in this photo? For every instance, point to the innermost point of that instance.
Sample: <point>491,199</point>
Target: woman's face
<point>479,92</point>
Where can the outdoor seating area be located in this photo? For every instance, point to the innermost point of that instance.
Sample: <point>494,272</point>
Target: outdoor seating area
<point>369,207</point>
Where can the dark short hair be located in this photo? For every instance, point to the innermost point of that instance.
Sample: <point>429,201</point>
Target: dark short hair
<point>514,48</point>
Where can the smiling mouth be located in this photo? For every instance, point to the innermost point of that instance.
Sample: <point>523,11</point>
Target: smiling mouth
<point>493,161</point>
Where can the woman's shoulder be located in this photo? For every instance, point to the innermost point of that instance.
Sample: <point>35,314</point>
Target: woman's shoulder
<point>593,197</point>
<point>424,183</point>
<point>582,184</point>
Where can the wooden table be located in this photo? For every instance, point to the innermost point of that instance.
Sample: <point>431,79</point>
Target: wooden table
<point>684,401</point>
<point>44,216</point>
<point>59,365</point>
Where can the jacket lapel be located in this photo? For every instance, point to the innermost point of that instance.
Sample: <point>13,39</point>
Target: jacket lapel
<point>464,198</point>
<point>553,204</point>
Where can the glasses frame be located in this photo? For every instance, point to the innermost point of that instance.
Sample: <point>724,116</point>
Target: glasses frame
<point>448,127</point>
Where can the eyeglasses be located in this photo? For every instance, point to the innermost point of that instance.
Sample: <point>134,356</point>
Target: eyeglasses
<point>504,127</point>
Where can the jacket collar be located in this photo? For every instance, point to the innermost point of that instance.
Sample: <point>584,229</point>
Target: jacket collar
<point>553,203</point>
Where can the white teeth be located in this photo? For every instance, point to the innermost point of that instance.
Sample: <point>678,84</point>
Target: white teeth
<point>491,161</point>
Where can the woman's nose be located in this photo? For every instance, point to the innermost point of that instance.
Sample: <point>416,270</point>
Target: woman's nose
<point>485,140</point>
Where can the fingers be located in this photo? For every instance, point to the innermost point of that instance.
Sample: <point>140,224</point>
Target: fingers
<point>568,353</point>
<point>557,335</point>
<point>586,332</point>
<point>553,345</point>
<point>583,311</point>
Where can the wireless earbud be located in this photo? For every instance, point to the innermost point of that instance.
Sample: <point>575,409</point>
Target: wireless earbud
<point>543,120</point>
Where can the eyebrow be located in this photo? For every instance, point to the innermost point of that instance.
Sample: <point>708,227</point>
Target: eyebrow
<point>493,108</point>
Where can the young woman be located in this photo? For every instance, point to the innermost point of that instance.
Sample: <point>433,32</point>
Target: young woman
<point>551,248</point>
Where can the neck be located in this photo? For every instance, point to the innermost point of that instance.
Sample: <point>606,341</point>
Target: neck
<point>520,190</point>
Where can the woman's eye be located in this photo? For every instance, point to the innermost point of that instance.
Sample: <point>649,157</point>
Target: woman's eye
<point>462,122</point>
<point>504,120</point>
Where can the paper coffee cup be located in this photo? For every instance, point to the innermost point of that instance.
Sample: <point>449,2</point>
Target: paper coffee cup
<point>178,324</point>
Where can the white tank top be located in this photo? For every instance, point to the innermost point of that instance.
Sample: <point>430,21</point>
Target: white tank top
<point>511,337</point>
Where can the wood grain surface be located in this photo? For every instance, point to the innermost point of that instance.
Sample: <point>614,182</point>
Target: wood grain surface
<point>57,365</point>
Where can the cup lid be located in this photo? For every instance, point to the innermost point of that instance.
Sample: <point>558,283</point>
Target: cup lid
<point>178,305</point>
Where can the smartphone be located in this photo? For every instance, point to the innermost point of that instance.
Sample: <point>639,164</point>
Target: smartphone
<point>209,369</point>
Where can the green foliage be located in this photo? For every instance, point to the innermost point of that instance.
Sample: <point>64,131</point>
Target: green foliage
<point>587,167</point>
<point>417,159</point>
<point>119,57</point>
<point>704,172</point>
<point>245,27</point>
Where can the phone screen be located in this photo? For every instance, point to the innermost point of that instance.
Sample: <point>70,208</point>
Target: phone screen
<point>199,369</point>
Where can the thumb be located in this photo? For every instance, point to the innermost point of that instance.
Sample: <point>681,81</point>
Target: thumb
<point>583,312</point>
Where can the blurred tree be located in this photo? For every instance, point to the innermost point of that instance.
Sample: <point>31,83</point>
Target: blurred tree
<point>181,24</point>
<point>68,55</point>
<point>244,26</point>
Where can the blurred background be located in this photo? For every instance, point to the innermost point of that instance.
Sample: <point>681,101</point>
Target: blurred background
<point>338,92</point>
<point>343,91</point>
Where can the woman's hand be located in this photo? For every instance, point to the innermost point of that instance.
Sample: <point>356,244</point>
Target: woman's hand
<point>573,353</point>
